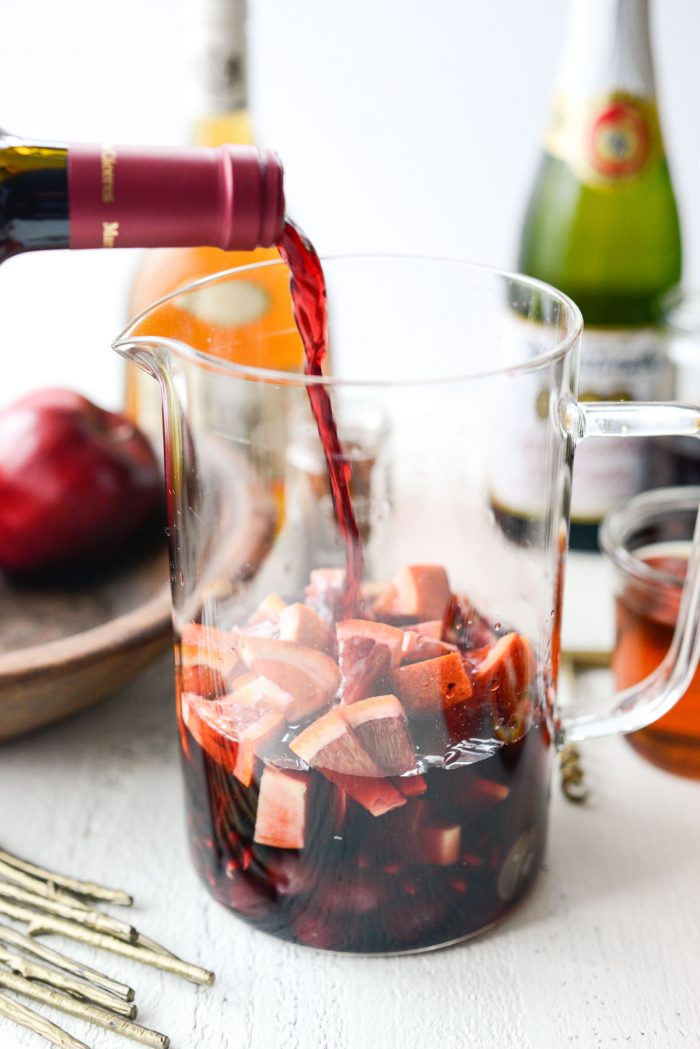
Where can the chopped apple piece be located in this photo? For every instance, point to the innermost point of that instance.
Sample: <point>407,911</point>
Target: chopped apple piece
<point>330,744</point>
<point>208,646</point>
<point>253,742</point>
<point>439,845</point>
<point>433,685</point>
<point>432,628</point>
<point>378,796</point>
<point>488,792</point>
<point>309,676</point>
<point>382,634</point>
<point>418,592</point>
<point>283,809</point>
<point>380,725</point>
<point>465,626</point>
<point>505,672</point>
<point>271,607</point>
<point>411,786</point>
<point>239,681</point>
<point>303,626</point>
<point>262,694</point>
<point>417,647</point>
<point>232,735</point>
<point>385,604</point>
<point>365,668</point>
<point>423,591</point>
<point>202,679</point>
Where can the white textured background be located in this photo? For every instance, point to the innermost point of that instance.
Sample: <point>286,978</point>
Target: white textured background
<point>403,125</point>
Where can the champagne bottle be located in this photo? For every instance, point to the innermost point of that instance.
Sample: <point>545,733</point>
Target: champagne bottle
<point>58,196</point>
<point>602,225</point>
<point>217,40</point>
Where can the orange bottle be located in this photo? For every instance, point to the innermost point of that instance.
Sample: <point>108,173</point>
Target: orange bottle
<point>218,39</point>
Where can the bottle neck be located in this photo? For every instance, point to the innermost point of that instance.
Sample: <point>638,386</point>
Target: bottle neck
<point>106,197</point>
<point>607,50</point>
<point>218,75</point>
<point>604,124</point>
<point>34,198</point>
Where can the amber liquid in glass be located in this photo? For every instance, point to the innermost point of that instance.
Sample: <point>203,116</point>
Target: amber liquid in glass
<point>645,618</point>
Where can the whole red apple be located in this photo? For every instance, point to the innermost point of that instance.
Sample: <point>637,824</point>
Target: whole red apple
<point>76,482</point>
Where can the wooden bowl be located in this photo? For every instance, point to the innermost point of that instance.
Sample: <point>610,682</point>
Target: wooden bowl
<point>65,645</point>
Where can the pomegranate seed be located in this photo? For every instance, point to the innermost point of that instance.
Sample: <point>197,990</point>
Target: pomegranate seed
<point>469,859</point>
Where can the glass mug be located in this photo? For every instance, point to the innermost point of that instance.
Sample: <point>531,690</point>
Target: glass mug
<point>648,540</point>
<point>380,784</point>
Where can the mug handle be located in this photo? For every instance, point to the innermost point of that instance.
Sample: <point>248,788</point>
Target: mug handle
<point>637,706</point>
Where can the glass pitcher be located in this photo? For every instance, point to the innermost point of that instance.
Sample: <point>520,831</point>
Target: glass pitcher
<point>379,783</point>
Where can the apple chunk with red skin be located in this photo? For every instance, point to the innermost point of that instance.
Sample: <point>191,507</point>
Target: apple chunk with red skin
<point>331,746</point>
<point>366,652</point>
<point>311,677</point>
<point>381,726</point>
<point>504,673</point>
<point>208,646</point>
<point>329,743</point>
<point>76,482</point>
<point>432,686</point>
<point>420,592</point>
<point>303,626</point>
<point>232,735</point>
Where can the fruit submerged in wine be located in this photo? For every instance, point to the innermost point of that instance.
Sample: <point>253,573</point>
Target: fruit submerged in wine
<point>364,784</point>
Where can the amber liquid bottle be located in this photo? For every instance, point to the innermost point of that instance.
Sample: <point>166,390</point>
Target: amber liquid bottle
<point>217,38</point>
<point>602,225</point>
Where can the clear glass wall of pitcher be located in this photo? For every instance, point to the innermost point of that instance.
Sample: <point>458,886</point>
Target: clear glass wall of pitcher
<point>380,783</point>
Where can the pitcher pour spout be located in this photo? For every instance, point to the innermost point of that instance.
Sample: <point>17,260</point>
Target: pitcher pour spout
<point>149,353</point>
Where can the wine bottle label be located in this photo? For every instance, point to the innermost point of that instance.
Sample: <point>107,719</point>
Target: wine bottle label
<point>217,43</point>
<point>616,364</point>
<point>607,140</point>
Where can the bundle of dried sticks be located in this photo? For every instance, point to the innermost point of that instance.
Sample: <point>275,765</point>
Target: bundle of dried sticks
<point>47,902</point>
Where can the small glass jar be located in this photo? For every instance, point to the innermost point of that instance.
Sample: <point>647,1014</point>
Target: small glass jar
<point>648,540</point>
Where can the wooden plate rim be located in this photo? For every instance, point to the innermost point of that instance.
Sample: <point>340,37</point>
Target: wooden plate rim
<point>143,623</point>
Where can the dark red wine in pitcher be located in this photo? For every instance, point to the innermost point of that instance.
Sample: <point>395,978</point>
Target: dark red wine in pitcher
<point>366,761</point>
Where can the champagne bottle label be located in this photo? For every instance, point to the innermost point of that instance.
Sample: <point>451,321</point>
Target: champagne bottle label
<point>608,140</point>
<point>616,364</point>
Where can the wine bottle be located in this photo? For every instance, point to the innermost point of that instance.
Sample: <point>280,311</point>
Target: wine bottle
<point>602,225</point>
<point>217,41</point>
<point>57,196</point>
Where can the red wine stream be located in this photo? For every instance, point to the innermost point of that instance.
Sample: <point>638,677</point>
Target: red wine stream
<point>308,290</point>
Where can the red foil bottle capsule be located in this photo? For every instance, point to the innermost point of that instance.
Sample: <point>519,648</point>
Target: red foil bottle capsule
<point>230,197</point>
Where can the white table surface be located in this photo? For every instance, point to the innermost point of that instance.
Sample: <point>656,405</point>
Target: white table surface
<point>604,952</point>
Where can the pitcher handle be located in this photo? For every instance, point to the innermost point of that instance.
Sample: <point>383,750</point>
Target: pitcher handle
<point>637,706</point>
